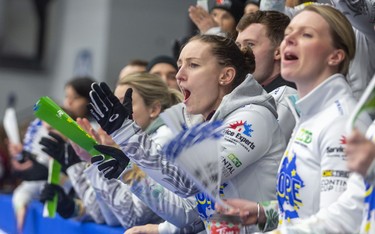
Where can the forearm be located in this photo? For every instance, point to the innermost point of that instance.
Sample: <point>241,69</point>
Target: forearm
<point>148,155</point>
<point>84,191</point>
<point>176,210</point>
<point>122,203</point>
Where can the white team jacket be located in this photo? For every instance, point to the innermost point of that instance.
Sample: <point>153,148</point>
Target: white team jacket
<point>251,149</point>
<point>313,172</point>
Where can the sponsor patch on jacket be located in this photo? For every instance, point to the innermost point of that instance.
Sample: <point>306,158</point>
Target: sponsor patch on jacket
<point>227,168</point>
<point>333,184</point>
<point>242,127</point>
<point>304,136</point>
<point>235,160</point>
<point>230,165</point>
<point>337,151</point>
<point>240,133</point>
<point>339,107</point>
<point>335,173</point>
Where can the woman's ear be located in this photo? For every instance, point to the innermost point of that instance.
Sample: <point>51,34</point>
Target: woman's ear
<point>336,57</point>
<point>155,109</point>
<point>227,76</point>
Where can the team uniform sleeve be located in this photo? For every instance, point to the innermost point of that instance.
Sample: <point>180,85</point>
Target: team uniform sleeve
<point>178,211</point>
<point>84,191</point>
<point>123,204</point>
<point>148,155</point>
<point>246,139</point>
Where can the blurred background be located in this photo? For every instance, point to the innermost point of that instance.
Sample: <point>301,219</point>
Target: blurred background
<point>43,43</point>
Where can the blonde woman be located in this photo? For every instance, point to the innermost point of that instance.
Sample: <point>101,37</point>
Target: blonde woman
<point>314,186</point>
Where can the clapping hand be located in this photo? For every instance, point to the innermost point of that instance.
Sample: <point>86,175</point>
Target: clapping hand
<point>201,18</point>
<point>58,149</point>
<point>106,108</point>
<point>111,168</point>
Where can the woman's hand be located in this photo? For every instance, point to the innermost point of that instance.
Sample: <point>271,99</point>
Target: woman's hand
<point>246,210</point>
<point>100,135</point>
<point>201,18</point>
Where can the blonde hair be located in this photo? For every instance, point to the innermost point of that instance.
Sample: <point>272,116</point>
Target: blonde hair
<point>341,31</point>
<point>135,174</point>
<point>152,89</point>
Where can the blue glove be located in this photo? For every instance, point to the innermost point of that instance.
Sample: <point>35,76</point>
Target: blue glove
<point>107,110</point>
<point>111,168</point>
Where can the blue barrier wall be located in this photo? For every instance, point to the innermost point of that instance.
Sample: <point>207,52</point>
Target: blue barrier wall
<point>36,224</point>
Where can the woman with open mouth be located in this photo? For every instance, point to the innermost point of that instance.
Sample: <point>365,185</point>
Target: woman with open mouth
<point>214,78</point>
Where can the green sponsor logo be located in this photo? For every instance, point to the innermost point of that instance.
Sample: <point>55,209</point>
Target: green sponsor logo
<point>235,160</point>
<point>304,136</point>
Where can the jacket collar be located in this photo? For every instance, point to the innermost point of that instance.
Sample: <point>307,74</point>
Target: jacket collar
<point>332,89</point>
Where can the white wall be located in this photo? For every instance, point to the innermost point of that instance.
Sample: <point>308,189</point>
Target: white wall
<point>115,31</point>
<point>85,26</point>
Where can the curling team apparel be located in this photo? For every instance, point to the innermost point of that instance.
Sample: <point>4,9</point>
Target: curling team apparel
<point>251,150</point>
<point>313,172</point>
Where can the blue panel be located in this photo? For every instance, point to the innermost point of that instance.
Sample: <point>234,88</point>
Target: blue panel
<point>35,223</point>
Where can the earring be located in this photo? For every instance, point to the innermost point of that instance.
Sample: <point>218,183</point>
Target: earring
<point>222,82</point>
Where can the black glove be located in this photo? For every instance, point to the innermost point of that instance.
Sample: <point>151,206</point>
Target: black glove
<point>23,156</point>
<point>59,150</point>
<point>111,168</point>
<point>36,172</point>
<point>107,109</point>
<point>65,204</point>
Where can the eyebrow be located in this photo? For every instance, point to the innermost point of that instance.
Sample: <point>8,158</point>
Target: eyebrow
<point>301,28</point>
<point>187,59</point>
<point>249,40</point>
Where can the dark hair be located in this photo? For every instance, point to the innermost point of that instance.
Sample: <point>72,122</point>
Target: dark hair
<point>82,85</point>
<point>229,55</point>
<point>255,2</point>
<point>275,22</point>
<point>138,62</point>
<point>162,59</point>
<point>234,7</point>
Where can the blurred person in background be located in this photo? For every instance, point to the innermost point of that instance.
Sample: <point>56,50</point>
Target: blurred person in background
<point>251,6</point>
<point>221,20</point>
<point>29,158</point>
<point>166,68</point>
<point>263,32</point>
<point>136,65</point>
